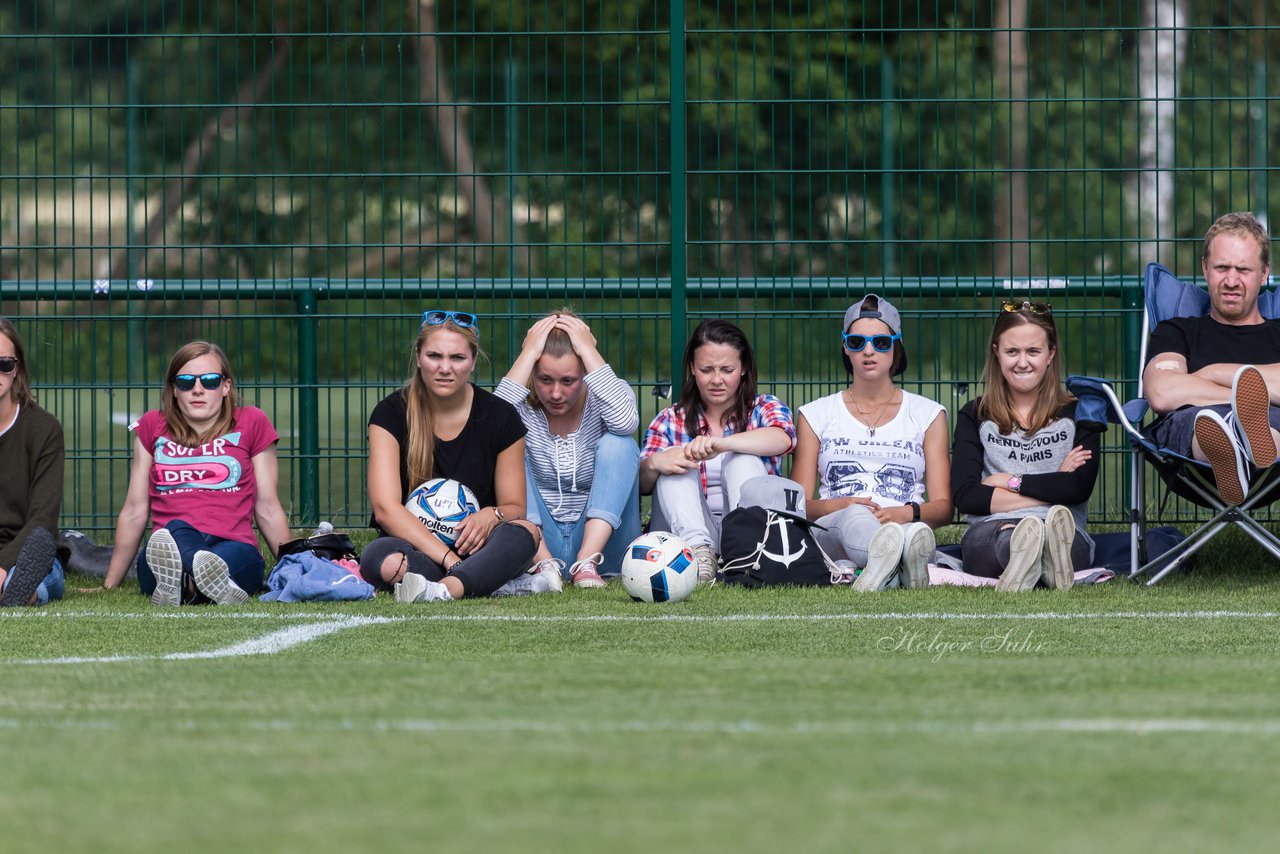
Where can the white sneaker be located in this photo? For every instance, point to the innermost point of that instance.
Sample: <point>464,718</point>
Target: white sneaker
<point>1056,570</point>
<point>166,565</point>
<point>213,579</point>
<point>884,553</point>
<point>525,584</point>
<point>552,569</point>
<point>416,588</point>
<point>708,566</point>
<point>916,555</point>
<point>1023,570</point>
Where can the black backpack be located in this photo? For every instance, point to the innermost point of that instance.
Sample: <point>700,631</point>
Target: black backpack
<point>761,548</point>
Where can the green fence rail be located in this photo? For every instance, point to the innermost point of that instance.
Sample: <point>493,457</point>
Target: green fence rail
<point>297,180</point>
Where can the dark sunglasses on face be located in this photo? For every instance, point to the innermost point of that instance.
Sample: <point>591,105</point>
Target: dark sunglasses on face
<point>7,364</point>
<point>881,343</point>
<point>437,316</point>
<point>186,382</point>
<point>1025,305</point>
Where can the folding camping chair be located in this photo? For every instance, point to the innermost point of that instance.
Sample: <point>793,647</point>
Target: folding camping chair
<point>1164,297</point>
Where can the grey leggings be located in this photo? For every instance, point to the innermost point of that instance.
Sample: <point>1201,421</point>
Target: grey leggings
<point>849,531</point>
<point>984,547</point>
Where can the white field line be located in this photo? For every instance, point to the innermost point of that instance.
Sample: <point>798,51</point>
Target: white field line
<point>823,729</point>
<point>268,644</point>
<point>649,616</point>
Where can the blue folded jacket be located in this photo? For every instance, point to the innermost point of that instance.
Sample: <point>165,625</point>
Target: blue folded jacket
<point>303,577</point>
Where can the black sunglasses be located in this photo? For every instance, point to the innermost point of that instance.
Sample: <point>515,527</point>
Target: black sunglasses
<point>437,316</point>
<point>8,364</point>
<point>186,382</point>
<point>881,343</point>
<point>1025,305</point>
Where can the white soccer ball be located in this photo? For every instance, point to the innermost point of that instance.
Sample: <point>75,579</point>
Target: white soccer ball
<point>440,505</point>
<point>659,567</point>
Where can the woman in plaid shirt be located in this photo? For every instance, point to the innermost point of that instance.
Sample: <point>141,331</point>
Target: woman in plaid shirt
<point>698,453</point>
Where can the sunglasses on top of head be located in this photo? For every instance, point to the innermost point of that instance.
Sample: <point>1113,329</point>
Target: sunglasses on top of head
<point>880,343</point>
<point>186,382</point>
<point>8,364</point>
<point>1027,306</point>
<point>437,316</point>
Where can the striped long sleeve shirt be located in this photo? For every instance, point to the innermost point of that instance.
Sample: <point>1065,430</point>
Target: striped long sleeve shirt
<point>563,466</point>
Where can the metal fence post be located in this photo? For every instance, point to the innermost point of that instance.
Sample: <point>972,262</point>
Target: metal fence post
<point>308,408</point>
<point>679,225</point>
<point>888,144</point>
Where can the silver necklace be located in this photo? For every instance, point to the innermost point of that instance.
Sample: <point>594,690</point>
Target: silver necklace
<point>871,428</point>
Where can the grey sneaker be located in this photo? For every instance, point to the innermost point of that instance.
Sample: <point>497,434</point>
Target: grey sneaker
<point>916,554</point>
<point>1023,570</point>
<point>1251,405</point>
<point>166,565</point>
<point>552,569</point>
<point>884,554</point>
<point>1221,449</point>
<point>1056,570</point>
<point>213,579</point>
<point>416,588</point>
<point>525,584</point>
<point>35,562</point>
<point>708,566</point>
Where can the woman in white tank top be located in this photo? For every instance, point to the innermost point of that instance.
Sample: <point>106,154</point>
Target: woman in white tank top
<point>876,457</point>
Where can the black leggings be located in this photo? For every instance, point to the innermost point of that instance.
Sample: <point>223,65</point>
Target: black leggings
<point>508,552</point>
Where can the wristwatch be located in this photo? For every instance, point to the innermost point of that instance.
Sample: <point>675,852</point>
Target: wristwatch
<point>1015,483</point>
<point>915,511</point>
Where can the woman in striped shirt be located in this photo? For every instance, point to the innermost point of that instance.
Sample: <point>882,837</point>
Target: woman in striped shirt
<point>580,454</point>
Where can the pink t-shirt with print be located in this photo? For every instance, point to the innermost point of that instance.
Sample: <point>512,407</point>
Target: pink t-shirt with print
<point>212,487</point>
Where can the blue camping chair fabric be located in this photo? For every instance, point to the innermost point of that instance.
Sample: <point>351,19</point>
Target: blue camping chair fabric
<point>1164,297</point>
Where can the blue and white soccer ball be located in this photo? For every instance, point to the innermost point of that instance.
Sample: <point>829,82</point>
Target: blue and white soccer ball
<point>440,505</point>
<point>659,567</point>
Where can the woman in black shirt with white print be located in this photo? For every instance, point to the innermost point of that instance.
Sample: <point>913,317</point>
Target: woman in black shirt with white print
<point>1022,466</point>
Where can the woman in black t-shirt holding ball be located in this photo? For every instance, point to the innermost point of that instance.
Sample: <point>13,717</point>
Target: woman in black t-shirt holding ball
<point>441,425</point>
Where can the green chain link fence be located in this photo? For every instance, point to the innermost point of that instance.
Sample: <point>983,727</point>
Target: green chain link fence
<point>297,181</point>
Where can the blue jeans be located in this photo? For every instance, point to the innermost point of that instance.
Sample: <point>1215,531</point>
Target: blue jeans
<point>247,568</point>
<point>614,497</point>
<point>53,586</point>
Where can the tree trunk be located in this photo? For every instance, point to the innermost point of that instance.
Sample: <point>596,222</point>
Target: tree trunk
<point>1012,226</point>
<point>488,218</point>
<point>224,123</point>
<point>1162,48</point>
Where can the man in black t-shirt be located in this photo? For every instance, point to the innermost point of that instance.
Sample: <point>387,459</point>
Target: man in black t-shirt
<point>1216,379</point>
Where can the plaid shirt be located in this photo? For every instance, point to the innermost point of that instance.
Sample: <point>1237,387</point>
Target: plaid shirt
<point>668,430</point>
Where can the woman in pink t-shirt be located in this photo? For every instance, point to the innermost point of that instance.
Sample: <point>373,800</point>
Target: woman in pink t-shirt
<point>204,469</point>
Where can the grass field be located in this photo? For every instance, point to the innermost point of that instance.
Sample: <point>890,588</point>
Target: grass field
<point>1109,718</point>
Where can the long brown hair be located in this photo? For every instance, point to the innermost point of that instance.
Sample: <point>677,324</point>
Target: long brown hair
<point>558,344</point>
<point>179,429</point>
<point>718,332</point>
<point>420,455</point>
<point>22,393</point>
<point>996,403</point>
